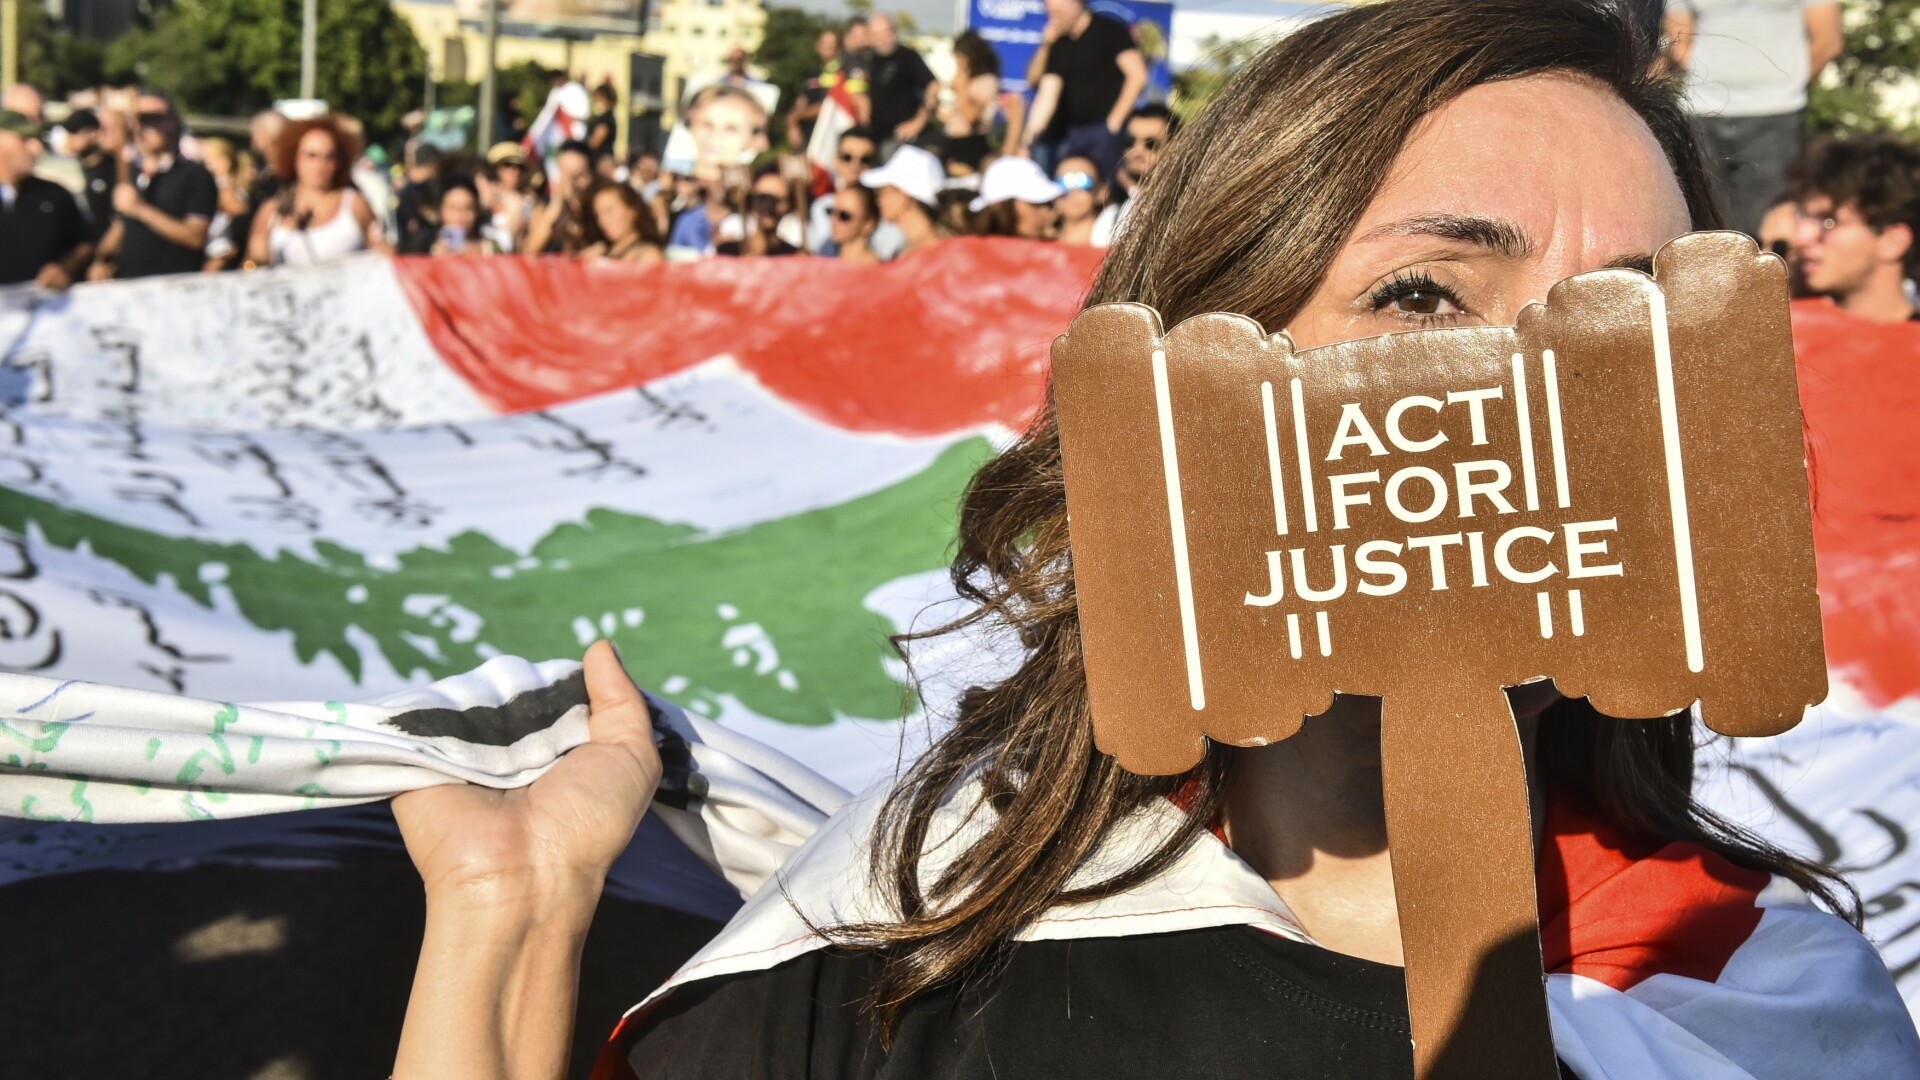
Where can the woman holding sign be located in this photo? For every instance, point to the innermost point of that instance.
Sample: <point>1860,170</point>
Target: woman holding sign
<point>1020,905</point>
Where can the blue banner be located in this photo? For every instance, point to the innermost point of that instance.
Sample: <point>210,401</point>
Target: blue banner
<point>1014,28</point>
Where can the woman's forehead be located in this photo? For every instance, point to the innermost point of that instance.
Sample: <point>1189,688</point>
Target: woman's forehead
<point>1560,157</point>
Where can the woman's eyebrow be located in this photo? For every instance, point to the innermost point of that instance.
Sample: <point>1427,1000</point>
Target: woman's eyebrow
<point>1498,236</point>
<point>1642,263</point>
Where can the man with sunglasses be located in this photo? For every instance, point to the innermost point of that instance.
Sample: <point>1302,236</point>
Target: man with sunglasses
<point>163,214</point>
<point>1147,132</point>
<point>858,151</point>
<point>1858,204</point>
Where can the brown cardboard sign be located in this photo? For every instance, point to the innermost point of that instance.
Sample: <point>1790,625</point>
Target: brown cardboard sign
<point>1610,493</point>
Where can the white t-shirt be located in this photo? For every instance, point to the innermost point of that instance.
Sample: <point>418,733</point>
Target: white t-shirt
<point>1749,57</point>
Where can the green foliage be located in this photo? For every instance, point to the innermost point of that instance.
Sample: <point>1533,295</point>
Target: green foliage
<point>232,57</point>
<point>1197,85</point>
<point>1882,50</point>
<point>786,54</point>
<point>530,80</point>
<point>52,59</point>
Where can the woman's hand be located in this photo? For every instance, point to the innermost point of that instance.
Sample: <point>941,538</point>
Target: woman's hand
<point>563,831</point>
<point>512,880</point>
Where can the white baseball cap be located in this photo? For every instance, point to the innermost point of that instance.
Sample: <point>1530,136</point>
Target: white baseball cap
<point>912,170</point>
<point>1015,178</point>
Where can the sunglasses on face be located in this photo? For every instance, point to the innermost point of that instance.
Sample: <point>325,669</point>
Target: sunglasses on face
<point>857,159</point>
<point>765,204</point>
<point>152,119</point>
<point>1077,181</point>
<point>847,217</point>
<point>1151,142</point>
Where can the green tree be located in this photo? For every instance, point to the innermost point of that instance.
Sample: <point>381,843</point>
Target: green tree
<point>1197,85</point>
<point>786,54</point>
<point>52,59</point>
<point>235,56</point>
<point>1882,51</point>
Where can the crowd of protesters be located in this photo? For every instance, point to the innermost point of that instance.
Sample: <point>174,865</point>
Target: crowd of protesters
<point>885,160</point>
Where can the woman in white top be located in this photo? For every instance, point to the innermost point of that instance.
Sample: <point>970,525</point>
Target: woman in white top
<point>318,214</point>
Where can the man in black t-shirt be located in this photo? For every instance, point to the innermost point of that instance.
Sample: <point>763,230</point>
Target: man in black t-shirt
<point>164,213</point>
<point>903,90</point>
<point>1088,73</point>
<point>43,237</point>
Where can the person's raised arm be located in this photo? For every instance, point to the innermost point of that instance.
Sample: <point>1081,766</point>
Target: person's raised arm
<point>512,879</point>
<point>1014,108</point>
<point>106,252</point>
<point>1824,38</point>
<point>370,230</point>
<point>1133,73</point>
<point>259,245</point>
<point>540,228</point>
<point>1045,100</point>
<point>1037,64</point>
<point>189,232</point>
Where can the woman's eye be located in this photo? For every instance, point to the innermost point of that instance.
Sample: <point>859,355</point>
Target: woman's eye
<point>1424,302</point>
<point>1416,296</point>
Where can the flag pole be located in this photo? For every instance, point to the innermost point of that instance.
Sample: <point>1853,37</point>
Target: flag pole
<point>488,89</point>
<point>9,42</point>
<point>309,38</point>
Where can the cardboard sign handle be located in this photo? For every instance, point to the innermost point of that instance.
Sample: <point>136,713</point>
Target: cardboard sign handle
<point>1457,825</point>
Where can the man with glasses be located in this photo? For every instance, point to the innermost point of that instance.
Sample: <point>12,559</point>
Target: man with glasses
<point>858,151</point>
<point>1859,212</point>
<point>1147,132</point>
<point>163,214</point>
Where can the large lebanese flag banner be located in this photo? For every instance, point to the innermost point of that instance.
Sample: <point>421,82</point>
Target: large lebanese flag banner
<point>339,482</point>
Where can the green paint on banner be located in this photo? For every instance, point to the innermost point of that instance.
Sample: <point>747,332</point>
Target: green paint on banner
<point>27,810</point>
<point>221,756</point>
<point>43,743</point>
<point>153,748</point>
<point>771,614</point>
<point>79,799</point>
<point>253,749</point>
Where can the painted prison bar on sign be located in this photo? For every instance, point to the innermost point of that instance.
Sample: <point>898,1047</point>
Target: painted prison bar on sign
<point>1610,493</point>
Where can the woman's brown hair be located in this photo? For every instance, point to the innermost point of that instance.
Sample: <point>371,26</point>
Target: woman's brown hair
<point>345,134</point>
<point>645,226</point>
<point>1243,213</point>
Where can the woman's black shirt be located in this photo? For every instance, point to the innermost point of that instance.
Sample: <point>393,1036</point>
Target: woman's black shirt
<point>1224,1002</point>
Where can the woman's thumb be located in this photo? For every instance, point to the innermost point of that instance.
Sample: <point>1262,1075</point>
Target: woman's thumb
<point>617,712</point>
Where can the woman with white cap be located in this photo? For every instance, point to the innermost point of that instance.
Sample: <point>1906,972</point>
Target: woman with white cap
<point>907,188</point>
<point>1015,194</point>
